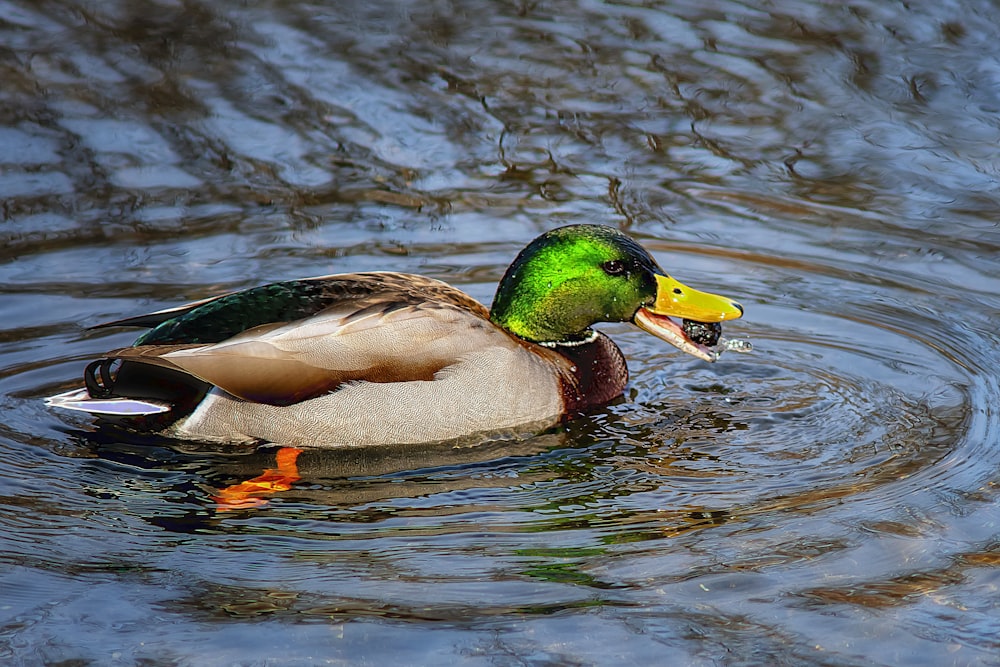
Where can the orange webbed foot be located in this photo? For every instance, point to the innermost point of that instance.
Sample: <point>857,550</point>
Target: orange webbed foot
<point>253,492</point>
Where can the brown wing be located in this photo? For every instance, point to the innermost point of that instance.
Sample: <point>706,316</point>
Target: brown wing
<point>409,330</point>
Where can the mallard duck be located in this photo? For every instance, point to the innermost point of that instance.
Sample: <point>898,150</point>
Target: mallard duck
<point>391,358</point>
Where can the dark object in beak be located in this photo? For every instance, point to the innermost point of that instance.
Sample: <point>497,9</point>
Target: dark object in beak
<point>703,333</point>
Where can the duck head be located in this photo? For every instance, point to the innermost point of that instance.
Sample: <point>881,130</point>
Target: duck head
<point>572,277</point>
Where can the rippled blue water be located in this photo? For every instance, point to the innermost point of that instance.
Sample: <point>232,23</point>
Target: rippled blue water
<point>830,499</point>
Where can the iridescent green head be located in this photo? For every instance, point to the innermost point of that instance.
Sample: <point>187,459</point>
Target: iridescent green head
<point>572,277</point>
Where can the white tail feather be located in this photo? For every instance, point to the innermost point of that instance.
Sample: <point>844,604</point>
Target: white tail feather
<point>79,399</point>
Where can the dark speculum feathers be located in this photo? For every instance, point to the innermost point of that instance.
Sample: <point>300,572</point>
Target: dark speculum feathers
<point>703,333</point>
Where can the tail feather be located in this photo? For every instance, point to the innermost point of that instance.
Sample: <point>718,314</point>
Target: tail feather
<point>80,400</point>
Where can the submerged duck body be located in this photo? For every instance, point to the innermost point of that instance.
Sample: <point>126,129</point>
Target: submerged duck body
<point>393,358</point>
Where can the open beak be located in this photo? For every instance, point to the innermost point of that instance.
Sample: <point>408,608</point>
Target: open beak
<point>674,299</point>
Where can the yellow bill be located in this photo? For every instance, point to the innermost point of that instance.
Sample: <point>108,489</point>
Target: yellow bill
<point>674,299</point>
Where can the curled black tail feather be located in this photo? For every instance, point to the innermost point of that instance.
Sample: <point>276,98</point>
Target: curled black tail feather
<point>103,388</point>
<point>124,378</point>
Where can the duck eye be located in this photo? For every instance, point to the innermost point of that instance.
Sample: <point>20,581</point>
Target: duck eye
<point>614,267</point>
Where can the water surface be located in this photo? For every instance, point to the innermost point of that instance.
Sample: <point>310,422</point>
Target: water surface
<point>830,499</point>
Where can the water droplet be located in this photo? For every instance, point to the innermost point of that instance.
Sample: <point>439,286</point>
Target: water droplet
<point>737,345</point>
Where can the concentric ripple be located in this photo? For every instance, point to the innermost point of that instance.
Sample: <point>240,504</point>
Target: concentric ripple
<point>830,405</point>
